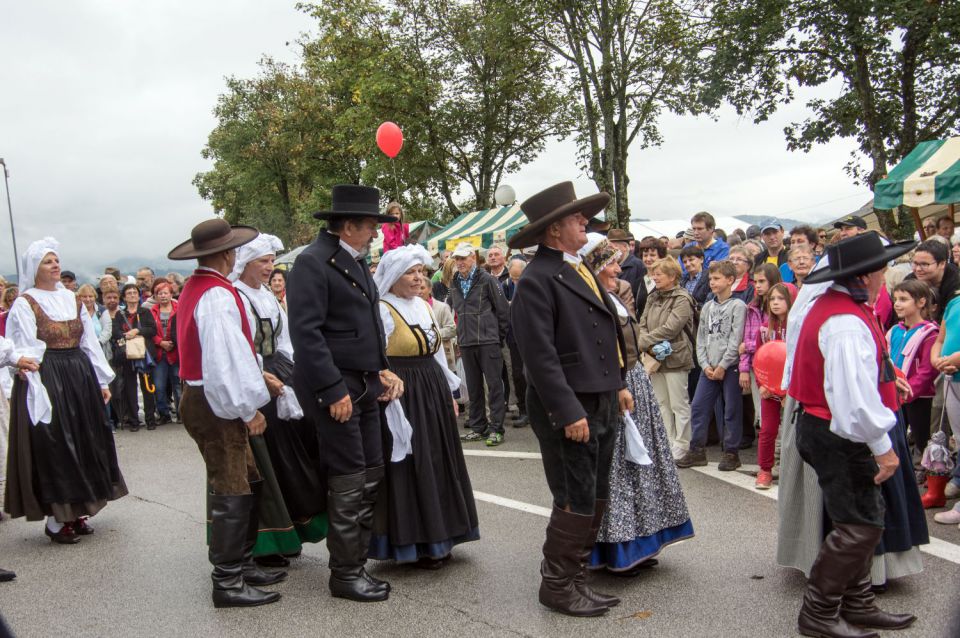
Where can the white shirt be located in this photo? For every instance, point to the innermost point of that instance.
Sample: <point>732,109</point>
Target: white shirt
<point>355,254</point>
<point>850,376</point>
<point>417,312</point>
<point>267,306</point>
<point>59,305</point>
<point>232,380</point>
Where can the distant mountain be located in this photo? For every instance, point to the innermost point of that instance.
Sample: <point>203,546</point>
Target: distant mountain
<point>756,219</point>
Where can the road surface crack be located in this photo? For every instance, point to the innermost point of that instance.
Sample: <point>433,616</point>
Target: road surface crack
<point>169,507</point>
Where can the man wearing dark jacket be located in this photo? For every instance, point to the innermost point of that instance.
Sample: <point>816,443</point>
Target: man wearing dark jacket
<point>774,252</point>
<point>339,375</point>
<point>482,318</point>
<point>572,347</point>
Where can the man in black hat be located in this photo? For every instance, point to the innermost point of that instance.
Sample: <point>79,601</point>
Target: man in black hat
<point>632,269</point>
<point>340,373</point>
<point>69,280</point>
<point>569,337</point>
<point>224,389</point>
<point>850,226</point>
<point>848,403</point>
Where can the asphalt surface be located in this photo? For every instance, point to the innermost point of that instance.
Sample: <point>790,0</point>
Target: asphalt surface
<point>145,572</point>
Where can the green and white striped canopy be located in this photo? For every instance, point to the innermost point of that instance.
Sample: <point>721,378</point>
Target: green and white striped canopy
<point>930,174</point>
<point>482,228</point>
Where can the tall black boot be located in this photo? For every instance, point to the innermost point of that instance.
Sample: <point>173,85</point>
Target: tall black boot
<point>344,506</point>
<point>843,554</point>
<point>230,522</point>
<point>253,574</point>
<point>859,605</point>
<point>567,534</point>
<point>373,479</point>
<point>581,578</point>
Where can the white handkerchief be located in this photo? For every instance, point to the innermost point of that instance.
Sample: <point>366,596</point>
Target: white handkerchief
<point>636,451</point>
<point>38,401</point>
<point>288,408</point>
<point>400,430</point>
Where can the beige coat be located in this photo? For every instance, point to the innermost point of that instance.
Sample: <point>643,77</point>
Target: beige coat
<point>448,332</point>
<point>668,316</point>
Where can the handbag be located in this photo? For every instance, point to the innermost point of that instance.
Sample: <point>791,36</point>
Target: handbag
<point>136,348</point>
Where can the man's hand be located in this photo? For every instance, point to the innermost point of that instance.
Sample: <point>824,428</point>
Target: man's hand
<point>903,387</point>
<point>745,381</point>
<point>888,463</point>
<point>27,364</point>
<point>105,393</point>
<point>392,386</point>
<point>625,401</point>
<point>456,407</point>
<point>274,385</point>
<point>719,372</point>
<point>578,431</point>
<point>708,373</point>
<point>257,424</point>
<point>342,410</point>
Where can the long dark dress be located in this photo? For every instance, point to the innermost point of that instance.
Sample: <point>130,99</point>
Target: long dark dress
<point>429,504</point>
<point>66,468</point>
<point>293,505</point>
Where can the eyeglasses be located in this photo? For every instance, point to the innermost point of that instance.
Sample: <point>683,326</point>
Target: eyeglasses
<point>801,259</point>
<point>739,260</point>
<point>923,265</point>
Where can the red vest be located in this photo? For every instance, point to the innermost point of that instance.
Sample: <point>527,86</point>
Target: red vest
<point>188,336</point>
<point>806,383</point>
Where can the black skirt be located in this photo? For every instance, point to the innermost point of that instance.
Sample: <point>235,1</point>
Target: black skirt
<point>66,468</point>
<point>426,506</point>
<point>294,452</point>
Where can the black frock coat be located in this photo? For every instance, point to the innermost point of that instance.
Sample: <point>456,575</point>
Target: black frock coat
<point>334,320</point>
<point>567,337</point>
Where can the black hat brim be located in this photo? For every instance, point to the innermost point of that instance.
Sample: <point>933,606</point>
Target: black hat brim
<point>890,252</point>
<point>343,214</point>
<point>589,207</point>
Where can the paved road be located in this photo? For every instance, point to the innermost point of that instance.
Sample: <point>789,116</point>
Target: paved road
<point>145,571</point>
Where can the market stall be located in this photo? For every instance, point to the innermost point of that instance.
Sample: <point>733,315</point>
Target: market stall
<point>482,228</point>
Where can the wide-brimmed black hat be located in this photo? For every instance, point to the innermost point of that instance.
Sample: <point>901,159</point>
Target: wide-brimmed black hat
<point>858,255</point>
<point>551,205</point>
<point>350,200</point>
<point>211,237</point>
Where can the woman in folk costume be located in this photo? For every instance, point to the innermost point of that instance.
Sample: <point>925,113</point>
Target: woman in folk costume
<point>291,510</point>
<point>429,506</point>
<point>62,463</point>
<point>802,520</point>
<point>646,510</point>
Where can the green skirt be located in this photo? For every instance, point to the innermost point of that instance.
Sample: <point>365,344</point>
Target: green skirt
<point>278,533</point>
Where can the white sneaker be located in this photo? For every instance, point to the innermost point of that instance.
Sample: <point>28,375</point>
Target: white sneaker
<point>953,490</point>
<point>950,517</point>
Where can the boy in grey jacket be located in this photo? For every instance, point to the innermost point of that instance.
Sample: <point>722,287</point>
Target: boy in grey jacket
<point>718,352</point>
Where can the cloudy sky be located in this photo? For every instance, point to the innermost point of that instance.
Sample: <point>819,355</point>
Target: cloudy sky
<point>105,106</point>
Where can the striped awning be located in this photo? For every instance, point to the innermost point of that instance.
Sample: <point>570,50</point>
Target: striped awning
<point>930,174</point>
<point>482,228</point>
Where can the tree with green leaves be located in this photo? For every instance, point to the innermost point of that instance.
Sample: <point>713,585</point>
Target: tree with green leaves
<point>895,63</point>
<point>630,60</point>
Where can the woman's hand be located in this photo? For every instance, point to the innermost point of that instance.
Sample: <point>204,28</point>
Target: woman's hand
<point>130,334</point>
<point>27,364</point>
<point>166,345</point>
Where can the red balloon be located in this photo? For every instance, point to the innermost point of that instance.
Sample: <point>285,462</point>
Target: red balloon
<point>389,139</point>
<point>768,364</point>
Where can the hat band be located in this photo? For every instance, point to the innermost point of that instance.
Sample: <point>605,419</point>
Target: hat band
<point>355,207</point>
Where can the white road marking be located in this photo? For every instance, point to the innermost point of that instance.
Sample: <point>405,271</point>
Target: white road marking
<point>512,504</point>
<point>938,547</point>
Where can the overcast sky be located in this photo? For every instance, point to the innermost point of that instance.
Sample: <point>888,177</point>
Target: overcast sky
<point>105,107</point>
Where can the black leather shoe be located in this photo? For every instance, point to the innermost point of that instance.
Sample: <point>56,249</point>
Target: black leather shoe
<point>66,535</point>
<point>80,527</point>
<point>878,619</point>
<point>273,560</point>
<point>6,575</point>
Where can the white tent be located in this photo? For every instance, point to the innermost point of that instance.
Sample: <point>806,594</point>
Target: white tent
<point>670,227</point>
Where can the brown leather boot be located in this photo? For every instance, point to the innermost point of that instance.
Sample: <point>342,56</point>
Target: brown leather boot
<point>842,556</point>
<point>566,535</point>
<point>859,603</point>
<point>581,577</point>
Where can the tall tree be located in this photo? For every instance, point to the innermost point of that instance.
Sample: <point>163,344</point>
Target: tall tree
<point>631,60</point>
<point>896,64</point>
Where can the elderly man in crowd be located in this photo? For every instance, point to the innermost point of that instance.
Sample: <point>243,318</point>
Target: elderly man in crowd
<point>632,268</point>
<point>569,336</point>
<point>496,263</point>
<point>482,318</point>
<point>946,227</point>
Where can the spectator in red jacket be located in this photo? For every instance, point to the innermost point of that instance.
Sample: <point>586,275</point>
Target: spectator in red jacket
<point>166,377</point>
<point>395,234</point>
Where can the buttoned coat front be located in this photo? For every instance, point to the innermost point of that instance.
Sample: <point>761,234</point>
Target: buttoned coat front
<point>334,319</point>
<point>567,336</point>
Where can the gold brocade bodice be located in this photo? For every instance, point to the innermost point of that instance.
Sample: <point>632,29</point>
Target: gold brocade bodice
<point>410,341</point>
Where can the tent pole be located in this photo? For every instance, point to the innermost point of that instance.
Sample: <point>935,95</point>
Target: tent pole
<point>916,222</point>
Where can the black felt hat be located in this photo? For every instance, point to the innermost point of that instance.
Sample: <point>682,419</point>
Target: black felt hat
<point>858,255</point>
<point>350,200</point>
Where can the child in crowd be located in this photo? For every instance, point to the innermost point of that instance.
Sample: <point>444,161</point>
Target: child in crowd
<point>764,276</point>
<point>776,307</point>
<point>910,342</point>
<point>718,352</point>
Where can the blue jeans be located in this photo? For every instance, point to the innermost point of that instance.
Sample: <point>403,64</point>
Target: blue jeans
<point>164,374</point>
<point>708,391</point>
